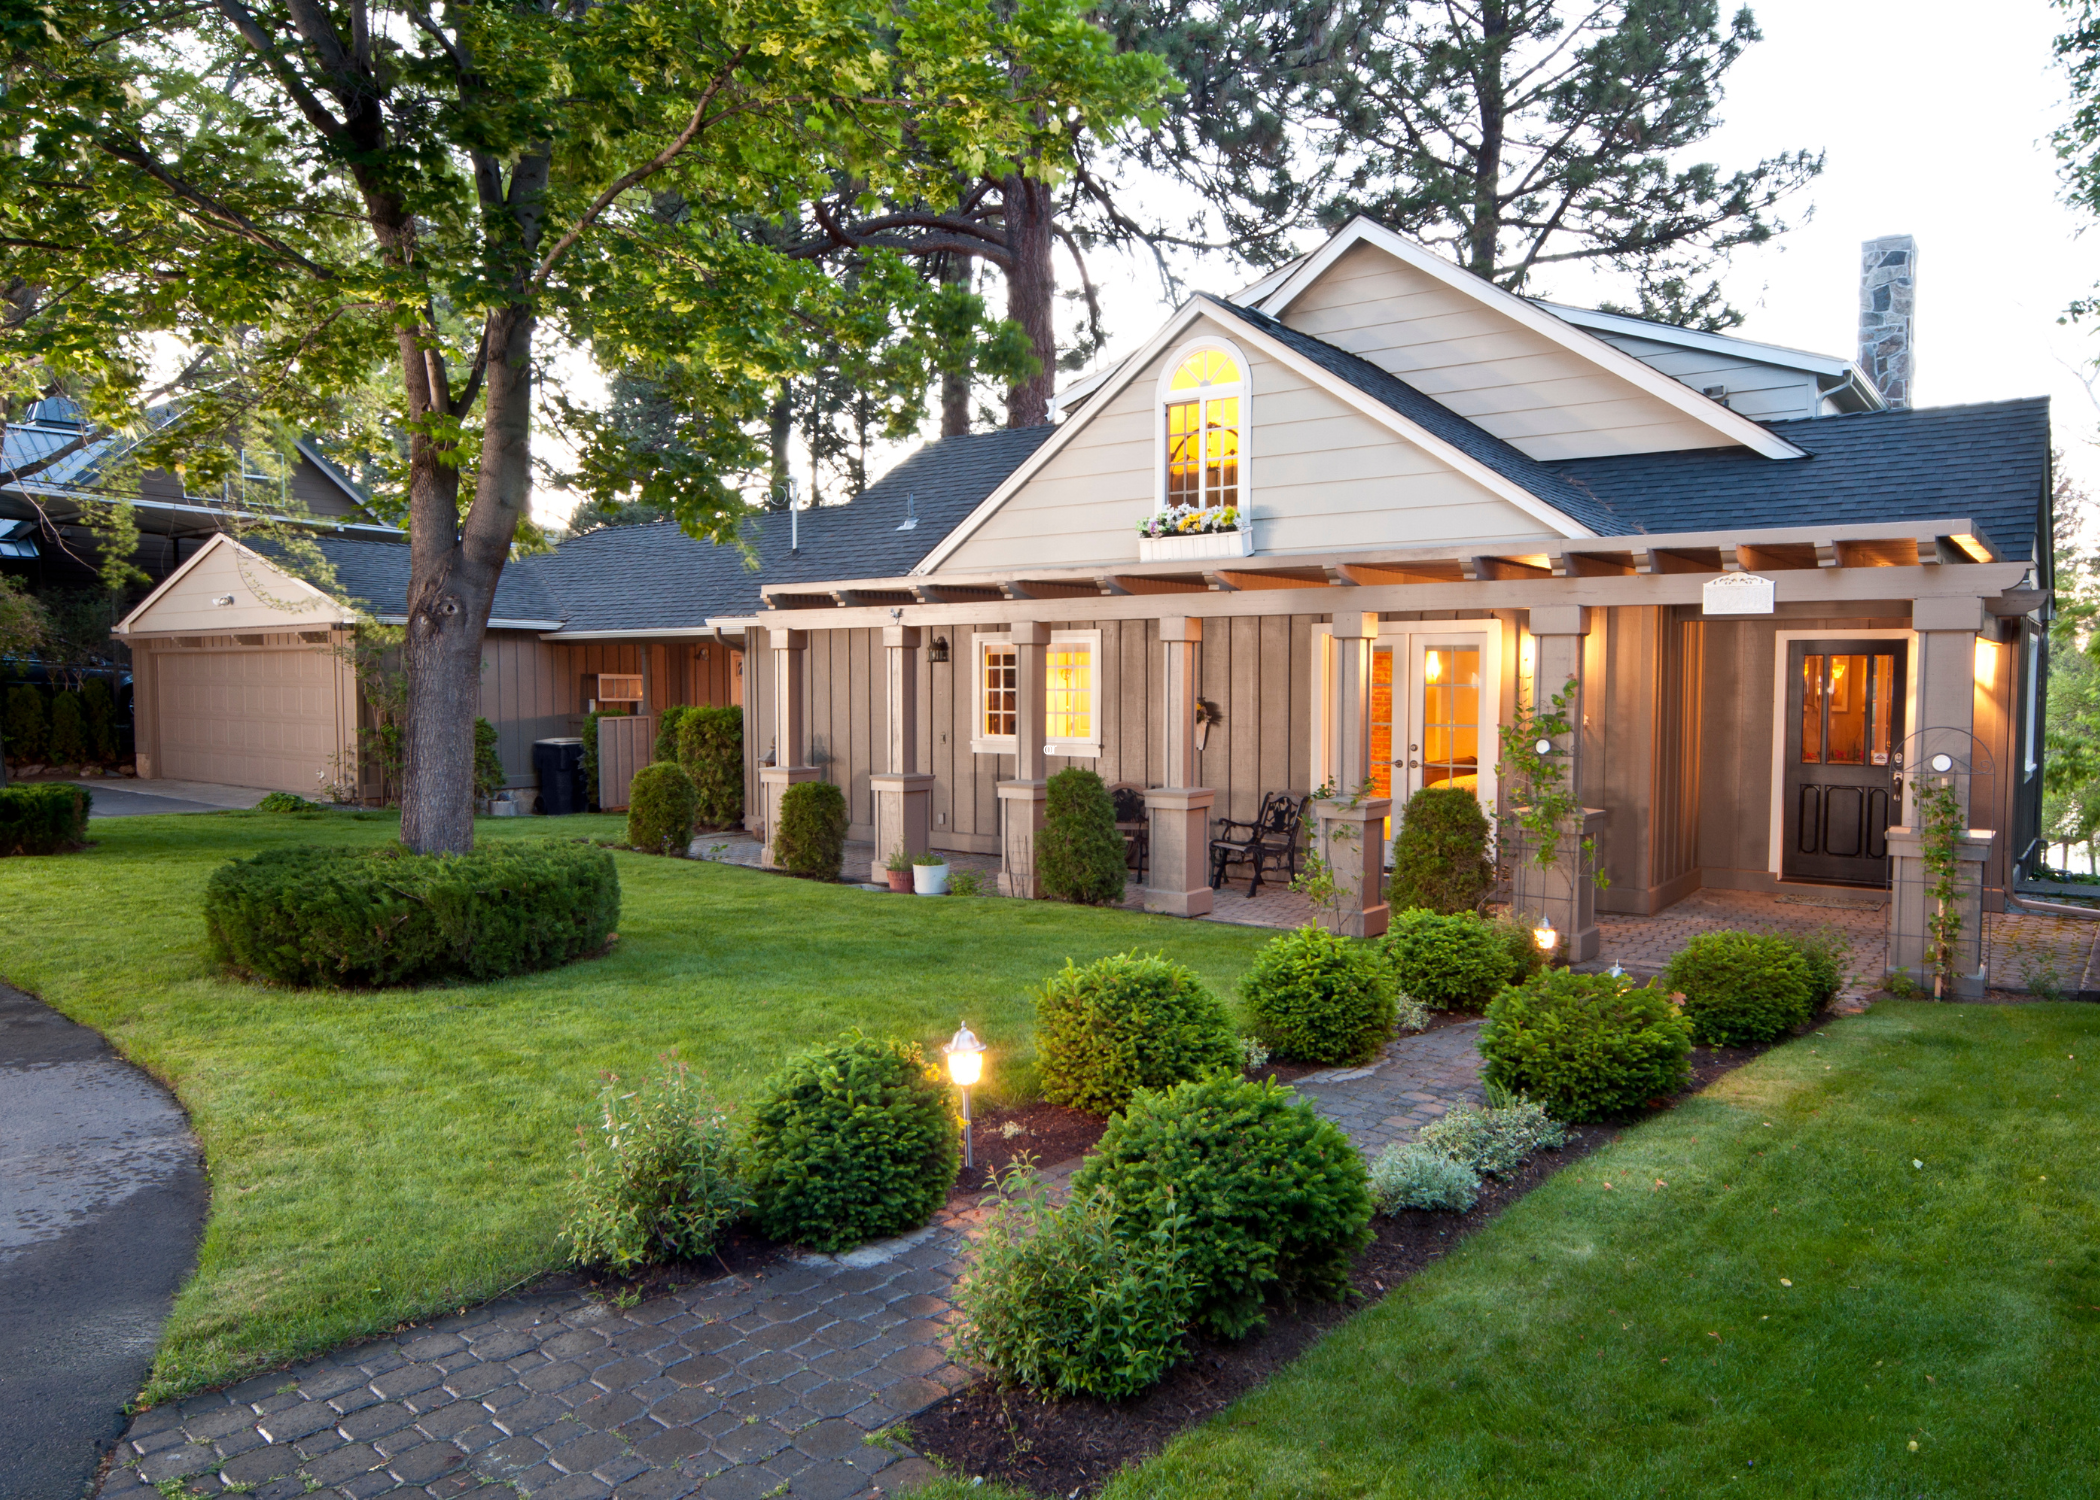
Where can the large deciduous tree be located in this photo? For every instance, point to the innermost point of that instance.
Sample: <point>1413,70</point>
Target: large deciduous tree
<point>313,187</point>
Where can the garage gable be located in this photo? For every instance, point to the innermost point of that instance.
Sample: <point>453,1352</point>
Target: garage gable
<point>227,587</point>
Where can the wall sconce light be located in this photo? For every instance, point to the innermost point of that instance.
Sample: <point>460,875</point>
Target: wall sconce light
<point>1207,714</point>
<point>1986,663</point>
<point>938,651</point>
<point>965,1066</point>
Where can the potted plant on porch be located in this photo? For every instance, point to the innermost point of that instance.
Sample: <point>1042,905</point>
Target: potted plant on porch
<point>929,874</point>
<point>898,867</point>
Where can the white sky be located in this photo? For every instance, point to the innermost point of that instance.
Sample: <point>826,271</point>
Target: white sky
<point>1934,118</point>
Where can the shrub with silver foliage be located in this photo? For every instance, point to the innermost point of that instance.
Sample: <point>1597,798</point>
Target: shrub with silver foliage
<point>1415,1176</point>
<point>1409,1013</point>
<point>1494,1141</point>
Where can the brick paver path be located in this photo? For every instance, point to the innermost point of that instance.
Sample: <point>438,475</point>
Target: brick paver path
<point>748,1386</point>
<point>1415,1080</point>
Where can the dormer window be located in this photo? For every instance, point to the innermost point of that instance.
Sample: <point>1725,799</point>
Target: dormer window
<point>1203,410</point>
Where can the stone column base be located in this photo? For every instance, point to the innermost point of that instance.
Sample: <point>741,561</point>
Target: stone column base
<point>1567,893</point>
<point>1911,908</point>
<point>1352,843</point>
<point>773,782</point>
<point>1178,865</point>
<point>903,817</point>
<point>1021,806</point>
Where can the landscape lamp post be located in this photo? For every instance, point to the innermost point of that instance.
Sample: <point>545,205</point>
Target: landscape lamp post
<point>965,1066</point>
<point>1546,937</point>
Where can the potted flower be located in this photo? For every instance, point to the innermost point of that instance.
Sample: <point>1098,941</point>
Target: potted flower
<point>929,874</point>
<point>1189,532</point>
<point>898,866</point>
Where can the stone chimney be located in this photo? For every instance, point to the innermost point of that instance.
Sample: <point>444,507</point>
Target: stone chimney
<point>1888,310</point>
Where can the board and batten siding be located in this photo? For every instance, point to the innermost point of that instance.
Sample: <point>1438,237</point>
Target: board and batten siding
<point>1541,397</point>
<point>1766,393</point>
<point>1322,476</point>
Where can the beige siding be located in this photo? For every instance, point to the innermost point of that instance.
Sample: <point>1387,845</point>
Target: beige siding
<point>268,711</point>
<point>264,597</point>
<point>1322,476</point>
<point>1766,393</point>
<point>1545,399</point>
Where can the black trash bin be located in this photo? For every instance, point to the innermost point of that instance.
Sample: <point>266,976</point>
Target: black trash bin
<point>559,766</point>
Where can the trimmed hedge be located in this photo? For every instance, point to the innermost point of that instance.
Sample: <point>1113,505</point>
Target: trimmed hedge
<point>667,722</point>
<point>1272,1198</point>
<point>1585,1046</point>
<point>1124,1023</point>
<point>321,916</point>
<point>660,809</point>
<point>1447,962</point>
<point>851,1141</point>
<point>26,725</point>
<point>1320,998</point>
<point>1440,860</point>
<point>811,838</point>
<point>711,749</point>
<point>43,818</point>
<point>1742,988</point>
<point>1079,856</point>
<point>489,775</point>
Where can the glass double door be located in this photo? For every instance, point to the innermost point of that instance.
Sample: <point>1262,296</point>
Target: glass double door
<point>1432,715</point>
<point>1844,758</point>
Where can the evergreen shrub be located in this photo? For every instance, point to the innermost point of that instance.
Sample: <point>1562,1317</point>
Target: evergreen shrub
<point>660,809</point>
<point>1742,988</point>
<point>1079,856</point>
<point>1320,998</point>
<point>323,916</point>
<point>851,1141</point>
<point>667,722</point>
<point>1440,859</point>
<point>68,745</point>
<point>99,708</point>
<point>811,838</point>
<point>711,749</point>
<point>1519,947</point>
<point>489,775</point>
<point>1825,952</point>
<point>1124,1023</point>
<point>27,728</point>
<point>1447,962</point>
<point>1272,1198</point>
<point>47,817</point>
<point>1585,1046</point>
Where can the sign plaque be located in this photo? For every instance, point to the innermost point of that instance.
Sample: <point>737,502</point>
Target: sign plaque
<point>1736,594</point>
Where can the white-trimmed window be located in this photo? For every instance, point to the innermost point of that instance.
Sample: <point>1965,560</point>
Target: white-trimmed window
<point>1071,695</point>
<point>998,695</point>
<point>1203,401</point>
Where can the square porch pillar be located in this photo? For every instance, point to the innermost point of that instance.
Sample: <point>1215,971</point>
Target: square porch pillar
<point>1566,894</point>
<point>903,793</point>
<point>1022,800</point>
<point>1178,865</point>
<point>1351,827</point>
<point>790,745</point>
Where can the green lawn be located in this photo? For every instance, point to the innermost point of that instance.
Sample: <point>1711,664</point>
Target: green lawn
<point>377,1156</point>
<point>1940,1337</point>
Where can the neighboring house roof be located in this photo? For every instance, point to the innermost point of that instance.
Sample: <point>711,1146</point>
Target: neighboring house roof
<point>375,574</point>
<point>1989,463</point>
<point>1390,390</point>
<point>656,578</point>
<point>1840,380</point>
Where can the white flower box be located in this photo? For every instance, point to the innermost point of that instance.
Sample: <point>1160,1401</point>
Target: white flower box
<point>1198,548</point>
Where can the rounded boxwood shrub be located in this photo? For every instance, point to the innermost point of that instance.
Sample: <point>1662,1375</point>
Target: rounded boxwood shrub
<point>1125,1023</point>
<point>385,916</point>
<point>1440,859</point>
<point>1519,947</point>
<point>1320,998</point>
<point>1742,988</point>
<point>43,817</point>
<point>1079,855</point>
<point>851,1141</point>
<point>711,748</point>
<point>660,807</point>
<point>1272,1197</point>
<point>1446,962</point>
<point>811,838</point>
<point>1585,1046</point>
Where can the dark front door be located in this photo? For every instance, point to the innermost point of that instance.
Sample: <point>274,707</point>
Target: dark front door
<point>1844,759</point>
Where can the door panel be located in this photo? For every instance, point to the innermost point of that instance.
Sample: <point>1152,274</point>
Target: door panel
<point>1844,758</point>
<point>249,718</point>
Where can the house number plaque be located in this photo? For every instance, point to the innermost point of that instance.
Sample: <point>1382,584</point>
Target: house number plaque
<point>1736,594</point>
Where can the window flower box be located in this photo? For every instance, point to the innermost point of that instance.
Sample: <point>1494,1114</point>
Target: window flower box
<point>1197,547</point>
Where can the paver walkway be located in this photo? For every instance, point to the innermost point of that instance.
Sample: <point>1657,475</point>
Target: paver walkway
<point>1414,1081</point>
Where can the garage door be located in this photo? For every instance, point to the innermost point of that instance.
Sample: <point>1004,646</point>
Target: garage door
<point>248,718</point>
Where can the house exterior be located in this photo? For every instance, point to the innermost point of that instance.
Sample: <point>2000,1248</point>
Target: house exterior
<point>1774,594</point>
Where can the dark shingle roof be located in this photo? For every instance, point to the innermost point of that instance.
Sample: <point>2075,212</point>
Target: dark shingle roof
<point>656,577</point>
<point>1986,463</point>
<point>1424,411</point>
<point>375,574</point>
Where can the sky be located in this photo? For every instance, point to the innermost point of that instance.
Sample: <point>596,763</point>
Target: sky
<point>1934,118</point>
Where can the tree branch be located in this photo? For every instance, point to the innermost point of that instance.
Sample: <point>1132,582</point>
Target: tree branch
<point>252,33</point>
<point>208,208</point>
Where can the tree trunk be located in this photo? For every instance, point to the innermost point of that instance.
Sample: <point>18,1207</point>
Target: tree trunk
<point>780,422</point>
<point>1484,236</point>
<point>955,384</point>
<point>1031,292</point>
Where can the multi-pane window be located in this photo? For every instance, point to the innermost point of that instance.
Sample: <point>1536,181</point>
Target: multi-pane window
<point>1069,692</point>
<point>1203,431</point>
<point>1848,709</point>
<point>1000,697</point>
<point>1069,683</point>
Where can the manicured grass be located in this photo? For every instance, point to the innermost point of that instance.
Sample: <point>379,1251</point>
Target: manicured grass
<point>1924,1176</point>
<point>377,1156</point>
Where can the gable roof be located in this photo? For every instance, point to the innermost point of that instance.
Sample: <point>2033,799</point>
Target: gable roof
<point>1989,462</point>
<point>655,577</point>
<point>375,574</point>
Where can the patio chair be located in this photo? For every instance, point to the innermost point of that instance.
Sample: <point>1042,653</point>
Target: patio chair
<point>1133,823</point>
<point>1270,842</point>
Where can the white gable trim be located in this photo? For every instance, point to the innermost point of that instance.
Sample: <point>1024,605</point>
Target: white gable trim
<point>1254,336</point>
<point>129,623</point>
<point>1708,413</point>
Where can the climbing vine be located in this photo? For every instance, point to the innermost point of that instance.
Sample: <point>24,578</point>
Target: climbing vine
<point>1315,880</point>
<point>1940,829</point>
<point>1536,781</point>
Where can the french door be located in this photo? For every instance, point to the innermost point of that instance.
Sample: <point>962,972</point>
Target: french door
<point>1843,780</point>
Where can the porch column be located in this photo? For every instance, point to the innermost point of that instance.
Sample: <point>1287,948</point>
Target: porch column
<point>1351,832</point>
<point>1942,722</point>
<point>1179,811</point>
<point>1022,799</point>
<point>1565,893</point>
<point>790,747</point>
<point>903,794</point>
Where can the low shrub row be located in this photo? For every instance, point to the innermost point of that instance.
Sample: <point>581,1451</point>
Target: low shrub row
<point>60,727</point>
<point>47,817</point>
<point>1741,988</point>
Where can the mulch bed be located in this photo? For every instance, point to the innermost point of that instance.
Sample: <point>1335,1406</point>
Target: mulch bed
<point>1049,1133</point>
<point>1061,1449</point>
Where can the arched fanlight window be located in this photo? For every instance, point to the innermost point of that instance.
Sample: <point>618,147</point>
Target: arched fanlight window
<point>1204,410</point>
